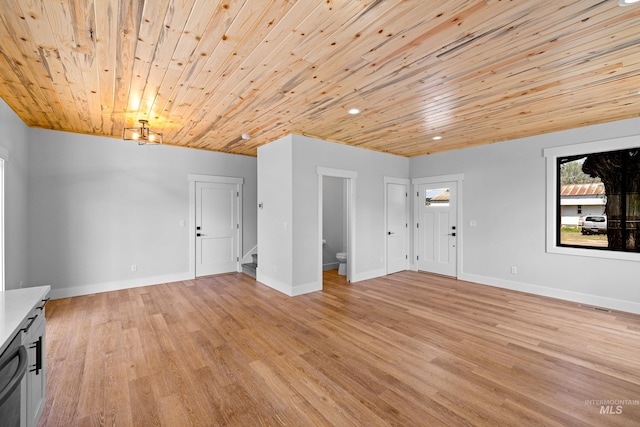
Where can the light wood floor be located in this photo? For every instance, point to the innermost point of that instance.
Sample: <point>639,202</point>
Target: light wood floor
<point>409,349</point>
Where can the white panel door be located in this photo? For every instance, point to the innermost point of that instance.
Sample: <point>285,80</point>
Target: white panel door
<point>396,227</point>
<point>217,226</point>
<point>437,228</point>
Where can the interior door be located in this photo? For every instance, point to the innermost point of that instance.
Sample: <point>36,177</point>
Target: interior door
<point>217,228</point>
<point>396,227</point>
<point>437,228</point>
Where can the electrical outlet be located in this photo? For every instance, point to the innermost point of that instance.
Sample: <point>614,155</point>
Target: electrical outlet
<point>514,270</point>
<point>134,268</point>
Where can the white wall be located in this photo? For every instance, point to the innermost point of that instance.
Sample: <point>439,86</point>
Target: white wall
<point>99,205</point>
<point>13,138</point>
<point>504,192</point>
<point>275,218</point>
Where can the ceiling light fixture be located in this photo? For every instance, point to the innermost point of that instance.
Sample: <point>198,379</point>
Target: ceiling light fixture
<point>627,2</point>
<point>143,134</point>
<point>354,111</point>
<point>246,136</point>
<point>435,138</point>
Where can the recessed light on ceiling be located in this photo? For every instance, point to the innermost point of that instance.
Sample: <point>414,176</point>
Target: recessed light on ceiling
<point>246,136</point>
<point>627,2</point>
<point>354,111</point>
<point>435,138</point>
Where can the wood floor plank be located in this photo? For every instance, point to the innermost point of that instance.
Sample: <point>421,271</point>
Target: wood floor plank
<point>409,349</point>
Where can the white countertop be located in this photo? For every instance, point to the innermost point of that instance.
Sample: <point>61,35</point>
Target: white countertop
<point>15,305</point>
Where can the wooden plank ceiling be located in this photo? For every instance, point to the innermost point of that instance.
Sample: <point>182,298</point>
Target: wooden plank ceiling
<point>206,71</point>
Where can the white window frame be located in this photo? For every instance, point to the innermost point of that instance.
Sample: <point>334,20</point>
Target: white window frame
<point>552,155</point>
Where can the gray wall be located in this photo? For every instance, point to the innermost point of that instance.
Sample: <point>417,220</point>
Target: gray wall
<point>99,205</point>
<point>13,138</point>
<point>505,193</point>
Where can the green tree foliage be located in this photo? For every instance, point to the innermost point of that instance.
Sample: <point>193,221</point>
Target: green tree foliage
<point>571,173</point>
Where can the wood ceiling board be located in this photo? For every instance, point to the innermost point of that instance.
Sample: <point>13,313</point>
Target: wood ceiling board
<point>105,34</point>
<point>204,72</point>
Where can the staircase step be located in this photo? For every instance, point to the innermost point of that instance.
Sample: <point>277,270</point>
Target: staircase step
<point>250,269</point>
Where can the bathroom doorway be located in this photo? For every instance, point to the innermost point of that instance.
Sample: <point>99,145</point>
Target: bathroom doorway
<point>334,221</point>
<point>336,190</point>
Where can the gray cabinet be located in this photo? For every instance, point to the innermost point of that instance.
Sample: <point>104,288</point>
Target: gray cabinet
<point>34,339</point>
<point>22,322</point>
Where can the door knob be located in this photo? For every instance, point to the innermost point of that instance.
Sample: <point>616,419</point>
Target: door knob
<point>452,234</point>
<point>390,233</point>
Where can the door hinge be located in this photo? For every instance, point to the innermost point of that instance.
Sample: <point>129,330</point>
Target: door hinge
<point>406,257</point>
<point>417,225</point>
<point>406,225</point>
<point>238,226</point>
<point>417,257</point>
<point>406,194</point>
<point>417,194</point>
<point>237,194</point>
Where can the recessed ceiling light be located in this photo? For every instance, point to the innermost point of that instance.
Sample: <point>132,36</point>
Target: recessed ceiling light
<point>246,136</point>
<point>436,138</point>
<point>627,2</point>
<point>354,111</point>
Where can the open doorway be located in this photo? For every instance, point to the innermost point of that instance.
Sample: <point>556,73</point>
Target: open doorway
<point>335,223</point>
<point>340,185</point>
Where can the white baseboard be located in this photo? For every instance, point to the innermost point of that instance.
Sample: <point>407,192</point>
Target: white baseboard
<point>306,289</point>
<point>116,286</point>
<point>279,286</point>
<point>594,300</point>
<point>366,275</point>
<point>287,289</point>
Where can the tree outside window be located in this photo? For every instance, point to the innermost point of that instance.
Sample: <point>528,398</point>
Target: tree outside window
<point>619,172</point>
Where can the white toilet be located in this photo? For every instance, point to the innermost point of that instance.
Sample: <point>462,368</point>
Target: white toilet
<point>342,259</point>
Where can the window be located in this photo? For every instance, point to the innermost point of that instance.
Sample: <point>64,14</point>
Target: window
<point>603,187</point>
<point>614,178</point>
<point>437,197</point>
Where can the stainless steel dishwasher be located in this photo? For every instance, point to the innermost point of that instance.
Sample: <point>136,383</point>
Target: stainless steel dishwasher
<point>13,367</point>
